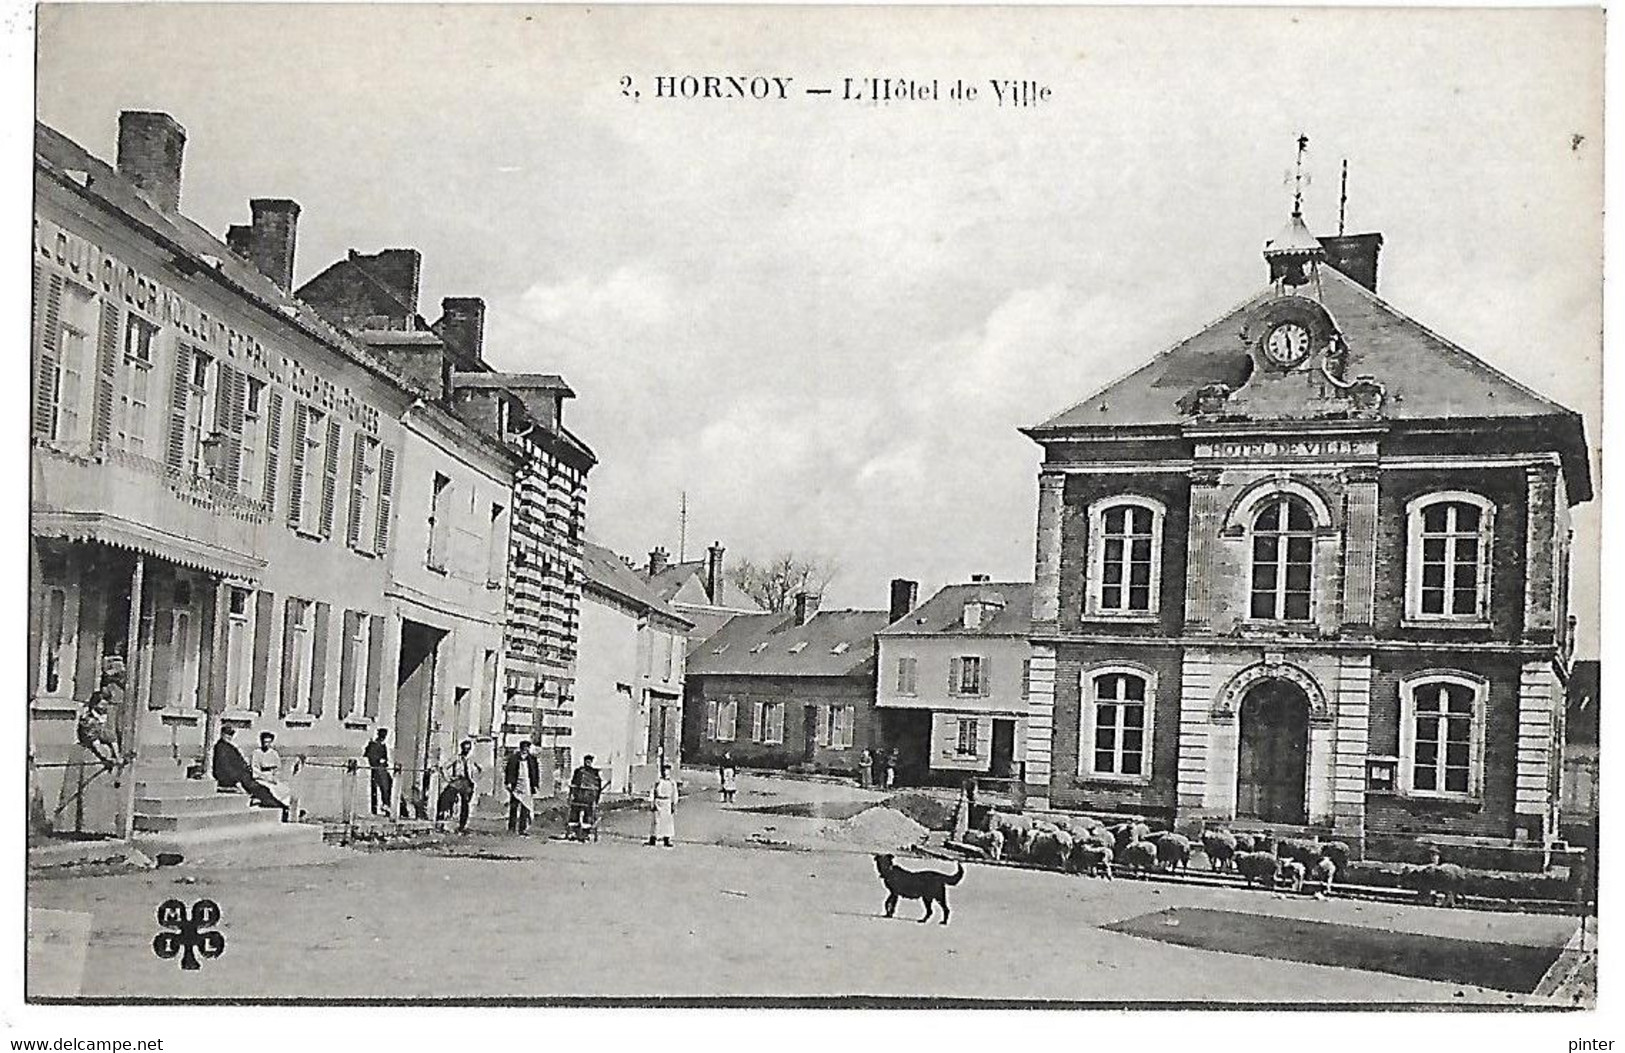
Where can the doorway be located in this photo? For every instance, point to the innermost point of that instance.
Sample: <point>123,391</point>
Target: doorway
<point>1004,749</point>
<point>414,702</point>
<point>809,733</point>
<point>1272,762</point>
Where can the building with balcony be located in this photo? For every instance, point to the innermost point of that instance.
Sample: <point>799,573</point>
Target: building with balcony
<point>228,502</point>
<point>951,695</point>
<point>1308,569</point>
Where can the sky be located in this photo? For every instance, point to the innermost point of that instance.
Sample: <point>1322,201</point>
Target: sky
<point>826,319</point>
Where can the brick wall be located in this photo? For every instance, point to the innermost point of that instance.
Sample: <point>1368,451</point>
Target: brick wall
<point>1173,491</point>
<point>795,693</point>
<point>1067,788</point>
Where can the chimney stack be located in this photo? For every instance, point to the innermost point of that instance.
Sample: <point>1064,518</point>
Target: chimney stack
<point>806,607</point>
<point>274,224</point>
<point>905,597</point>
<point>713,571</point>
<point>979,579</point>
<point>150,147</point>
<point>1355,256</point>
<point>658,560</point>
<point>462,324</point>
<point>239,239</point>
<point>398,269</point>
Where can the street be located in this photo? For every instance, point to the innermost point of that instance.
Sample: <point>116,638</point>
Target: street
<point>493,916</point>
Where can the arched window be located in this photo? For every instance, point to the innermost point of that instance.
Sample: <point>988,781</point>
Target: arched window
<point>1448,562</point>
<point>1283,559</point>
<point>1442,735</point>
<point>1116,727</point>
<point>1125,557</point>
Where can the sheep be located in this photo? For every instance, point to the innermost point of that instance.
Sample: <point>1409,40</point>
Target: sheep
<point>1139,856</point>
<point>1245,842</point>
<point>1220,846</point>
<point>1338,853</point>
<point>1299,850</point>
<point>1050,849</point>
<point>1292,872</point>
<point>1090,858</point>
<point>1128,833</point>
<point>1012,826</point>
<point>990,842</point>
<point>1257,866</point>
<point>1325,871</point>
<point>1173,851</point>
<point>1435,879</point>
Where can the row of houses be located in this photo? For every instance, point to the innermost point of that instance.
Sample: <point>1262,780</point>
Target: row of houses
<point>308,511</point>
<point>1307,569</point>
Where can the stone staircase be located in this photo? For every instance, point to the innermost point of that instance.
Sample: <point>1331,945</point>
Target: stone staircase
<point>191,818</point>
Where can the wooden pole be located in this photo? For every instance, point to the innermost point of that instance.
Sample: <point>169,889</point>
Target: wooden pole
<point>131,717</point>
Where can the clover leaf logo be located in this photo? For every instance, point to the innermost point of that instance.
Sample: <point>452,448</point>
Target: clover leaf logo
<point>189,934</point>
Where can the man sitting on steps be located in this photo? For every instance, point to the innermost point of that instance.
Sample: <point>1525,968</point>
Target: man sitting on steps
<point>231,770</point>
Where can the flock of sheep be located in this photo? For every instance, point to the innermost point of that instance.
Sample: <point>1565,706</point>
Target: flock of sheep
<point>1081,845</point>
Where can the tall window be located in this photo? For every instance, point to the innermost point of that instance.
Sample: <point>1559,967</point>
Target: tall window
<point>907,675</point>
<point>1441,735</point>
<point>439,522</point>
<point>54,651</point>
<point>200,412</point>
<point>1283,558</point>
<point>1449,545</point>
<point>355,657</point>
<point>496,556</point>
<point>239,647</point>
<point>1124,558</point>
<point>135,385</point>
<point>965,737</point>
<point>839,735</point>
<point>251,479</point>
<point>1117,723</point>
<point>301,640</point>
<point>720,718</point>
<point>770,723</point>
<point>967,675</point>
<point>76,364</point>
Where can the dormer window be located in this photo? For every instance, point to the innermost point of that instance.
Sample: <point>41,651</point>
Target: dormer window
<point>798,648</point>
<point>972,617</point>
<point>841,648</point>
<point>759,648</point>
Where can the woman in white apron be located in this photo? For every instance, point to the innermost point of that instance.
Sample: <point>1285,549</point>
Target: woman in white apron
<point>663,798</point>
<point>267,767</point>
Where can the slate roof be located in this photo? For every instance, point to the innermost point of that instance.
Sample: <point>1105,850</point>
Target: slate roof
<point>774,645</point>
<point>685,583</point>
<point>608,572</point>
<point>944,613</point>
<point>1427,378</point>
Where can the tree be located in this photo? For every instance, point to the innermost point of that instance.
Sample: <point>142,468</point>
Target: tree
<point>774,583</point>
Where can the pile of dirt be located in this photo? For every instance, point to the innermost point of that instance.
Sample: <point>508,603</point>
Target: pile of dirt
<point>928,811</point>
<point>878,827</point>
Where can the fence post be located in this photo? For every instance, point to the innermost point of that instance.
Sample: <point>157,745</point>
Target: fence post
<point>349,799</point>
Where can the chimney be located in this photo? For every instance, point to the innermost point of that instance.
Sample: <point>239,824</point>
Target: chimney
<point>274,223</point>
<point>150,146</point>
<point>658,560</point>
<point>905,597</point>
<point>462,324</point>
<point>239,239</point>
<point>979,579</point>
<point>806,607</point>
<point>398,269</point>
<point>1355,256</point>
<point>713,571</point>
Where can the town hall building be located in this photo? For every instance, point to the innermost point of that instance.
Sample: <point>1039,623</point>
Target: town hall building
<point>1308,569</point>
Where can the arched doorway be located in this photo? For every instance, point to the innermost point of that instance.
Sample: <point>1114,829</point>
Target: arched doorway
<point>1272,758</point>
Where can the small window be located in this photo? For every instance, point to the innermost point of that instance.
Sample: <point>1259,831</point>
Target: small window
<point>907,679</point>
<point>759,648</point>
<point>841,648</point>
<point>799,647</point>
<point>970,680</point>
<point>965,741</point>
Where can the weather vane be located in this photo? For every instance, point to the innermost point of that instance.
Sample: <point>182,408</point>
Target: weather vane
<point>1297,176</point>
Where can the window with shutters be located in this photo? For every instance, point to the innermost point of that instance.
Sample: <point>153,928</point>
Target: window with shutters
<point>770,723</point>
<point>968,678</point>
<point>76,365</point>
<point>1116,732</point>
<point>1125,557</point>
<point>200,443</point>
<point>239,647</point>
<point>839,733</point>
<point>362,533</point>
<point>252,463</point>
<point>300,645</point>
<point>496,554</point>
<point>1441,735</point>
<point>354,658</point>
<point>965,737</point>
<point>1449,541</point>
<point>439,523</point>
<point>1283,549</point>
<point>134,407</point>
<point>307,474</point>
<point>908,668</point>
<point>720,720</point>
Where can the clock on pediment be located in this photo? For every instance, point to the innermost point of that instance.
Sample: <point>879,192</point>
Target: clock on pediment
<point>1286,332</point>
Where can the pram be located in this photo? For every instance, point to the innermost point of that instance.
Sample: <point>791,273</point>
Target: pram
<point>584,813</point>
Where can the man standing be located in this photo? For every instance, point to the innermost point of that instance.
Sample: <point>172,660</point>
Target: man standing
<point>521,778</point>
<point>383,784</point>
<point>586,787</point>
<point>462,775</point>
